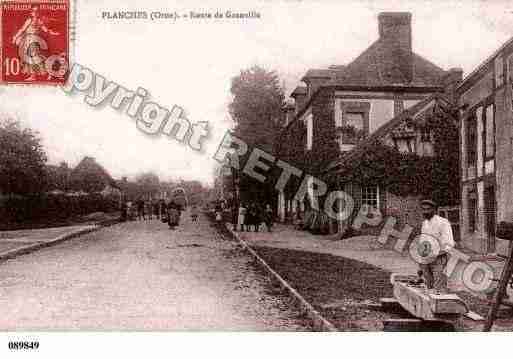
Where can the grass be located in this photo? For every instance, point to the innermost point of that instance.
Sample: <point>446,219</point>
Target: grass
<point>344,291</point>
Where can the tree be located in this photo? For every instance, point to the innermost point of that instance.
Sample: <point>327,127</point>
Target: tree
<point>257,103</point>
<point>22,159</point>
<point>58,177</point>
<point>256,108</point>
<point>149,183</point>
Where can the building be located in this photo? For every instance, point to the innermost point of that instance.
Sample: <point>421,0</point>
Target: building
<point>410,157</point>
<point>342,105</point>
<point>486,150</point>
<point>90,177</point>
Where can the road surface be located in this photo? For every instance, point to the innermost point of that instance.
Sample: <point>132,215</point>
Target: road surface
<point>141,276</point>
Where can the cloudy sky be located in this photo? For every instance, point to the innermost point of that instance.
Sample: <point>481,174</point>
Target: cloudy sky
<point>190,63</point>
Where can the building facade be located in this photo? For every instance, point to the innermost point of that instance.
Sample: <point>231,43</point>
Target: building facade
<point>486,151</point>
<point>341,106</point>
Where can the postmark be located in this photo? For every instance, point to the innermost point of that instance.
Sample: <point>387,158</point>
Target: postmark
<point>34,41</point>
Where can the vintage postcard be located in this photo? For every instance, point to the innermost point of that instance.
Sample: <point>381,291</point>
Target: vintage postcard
<point>257,166</point>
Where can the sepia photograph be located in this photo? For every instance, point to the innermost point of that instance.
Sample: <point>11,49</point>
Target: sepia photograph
<point>259,170</point>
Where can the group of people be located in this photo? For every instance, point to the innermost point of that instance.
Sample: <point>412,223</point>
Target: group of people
<point>252,215</point>
<point>169,211</point>
<point>143,210</point>
<point>146,210</point>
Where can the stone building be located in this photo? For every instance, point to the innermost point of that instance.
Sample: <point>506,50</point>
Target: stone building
<point>486,150</point>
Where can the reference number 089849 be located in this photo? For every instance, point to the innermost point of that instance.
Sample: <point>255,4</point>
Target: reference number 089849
<point>23,345</point>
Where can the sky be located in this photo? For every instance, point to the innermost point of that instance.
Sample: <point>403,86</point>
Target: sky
<point>190,63</point>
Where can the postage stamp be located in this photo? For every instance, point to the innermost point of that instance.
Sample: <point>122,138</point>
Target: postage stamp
<point>34,41</point>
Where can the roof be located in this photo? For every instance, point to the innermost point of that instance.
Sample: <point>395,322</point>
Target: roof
<point>320,73</point>
<point>88,165</point>
<point>369,69</point>
<point>300,90</point>
<point>479,69</point>
<point>387,128</point>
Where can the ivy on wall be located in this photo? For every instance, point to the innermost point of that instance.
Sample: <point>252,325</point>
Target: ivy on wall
<point>406,174</point>
<point>403,174</point>
<point>291,143</point>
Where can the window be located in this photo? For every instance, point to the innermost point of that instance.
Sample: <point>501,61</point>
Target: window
<point>425,134</point>
<point>370,196</point>
<point>309,132</point>
<point>489,132</point>
<point>398,107</point>
<point>352,129</point>
<point>354,119</point>
<point>411,145</point>
<point>499,72</point>
<point>472,210</point>
<point>471,141</point>
<point>405,144</point>
<point>510,68</point>
<point>352,122</point>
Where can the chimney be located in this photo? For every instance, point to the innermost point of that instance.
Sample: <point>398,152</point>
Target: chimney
<point>395,36</point>
<point>450,82</point>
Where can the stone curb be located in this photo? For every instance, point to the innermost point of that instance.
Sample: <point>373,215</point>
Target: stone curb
<point>318,321</point>
<point>10,254</point>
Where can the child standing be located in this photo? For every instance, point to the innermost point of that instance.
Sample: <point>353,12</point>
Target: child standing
<point>194,213</point>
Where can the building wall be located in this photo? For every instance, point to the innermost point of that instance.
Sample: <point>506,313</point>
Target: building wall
<point>406,210</point>
<point>482,89</point>
<point>472,180</point>
<point>504,157</point>
<point>497,172</point>
<point>381,105</point>
<point>410,103</point>
<point>380,111</point>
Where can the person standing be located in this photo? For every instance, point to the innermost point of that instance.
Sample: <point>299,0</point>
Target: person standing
<point>156,207</point>
<point>173,214</point>
<point>241,217</point>
<point>163,211</point>
<point>258,214</point>
<point>148,209</point>
<point>124,211</point>
<point>436,228</point>
<point>140,209</point>
<point>194,213</point>
<point>268,217</point>
<point>248,221</point>
<point>218,212</point>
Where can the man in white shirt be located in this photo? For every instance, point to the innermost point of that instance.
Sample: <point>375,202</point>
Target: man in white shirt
<point>440,229</point>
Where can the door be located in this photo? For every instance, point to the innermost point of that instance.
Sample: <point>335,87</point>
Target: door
<point>489,202</point>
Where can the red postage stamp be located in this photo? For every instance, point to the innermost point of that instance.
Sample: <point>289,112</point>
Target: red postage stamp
<point>34,41</point>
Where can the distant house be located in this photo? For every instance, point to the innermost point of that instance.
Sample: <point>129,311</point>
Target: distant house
<point>341,106</point>
<point>90,177</point>
<point>486,150</point>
